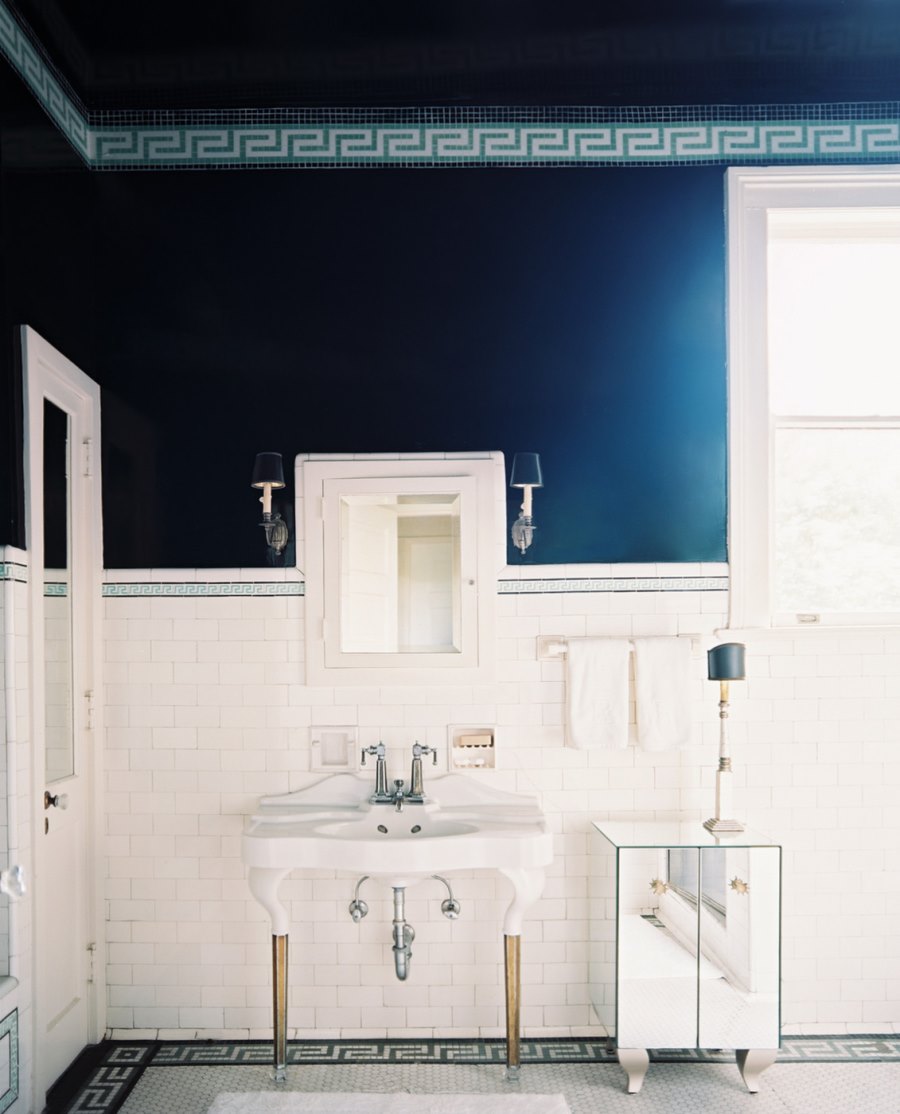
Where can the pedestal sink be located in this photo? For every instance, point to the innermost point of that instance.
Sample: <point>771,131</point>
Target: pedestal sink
<point>461,825</point>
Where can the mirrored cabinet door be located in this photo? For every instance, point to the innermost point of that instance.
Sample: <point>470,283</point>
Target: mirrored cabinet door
<point>657,969</point>
<point>739,932</point>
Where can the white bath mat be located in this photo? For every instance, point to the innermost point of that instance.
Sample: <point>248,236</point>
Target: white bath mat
<point>304,1102</point>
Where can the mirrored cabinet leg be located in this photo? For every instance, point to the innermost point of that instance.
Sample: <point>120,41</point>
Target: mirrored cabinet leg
<point>752,1062</point>
<point>635,1061</point>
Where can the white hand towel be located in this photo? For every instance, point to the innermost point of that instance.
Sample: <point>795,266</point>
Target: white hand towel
<point>597,693</point>
<point>662,687</point>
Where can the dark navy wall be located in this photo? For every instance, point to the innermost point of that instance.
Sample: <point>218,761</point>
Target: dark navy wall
<point>46,279</point>
<point>576,313</point>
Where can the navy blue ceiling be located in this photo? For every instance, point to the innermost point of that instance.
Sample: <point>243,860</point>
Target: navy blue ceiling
<point>291,53</point>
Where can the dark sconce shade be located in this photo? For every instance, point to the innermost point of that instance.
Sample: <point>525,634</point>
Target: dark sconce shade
<point>726,662</point>
<point>268,473</point>
<point>268,469</point>
<point>526,471</point>
<point>526,474</point>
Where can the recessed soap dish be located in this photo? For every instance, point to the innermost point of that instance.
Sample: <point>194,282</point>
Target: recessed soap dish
<point>332,748</point>
<point>473,748</point>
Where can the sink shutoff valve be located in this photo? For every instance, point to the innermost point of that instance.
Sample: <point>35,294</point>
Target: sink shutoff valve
<point>450,907</point>
<point>357,907</point>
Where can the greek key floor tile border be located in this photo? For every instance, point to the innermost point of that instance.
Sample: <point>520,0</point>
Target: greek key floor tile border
<point>615,584</point>
<point>837,1049</point>
<point>206,588</point>
<point>122,1062</point>
<point>491,136</point>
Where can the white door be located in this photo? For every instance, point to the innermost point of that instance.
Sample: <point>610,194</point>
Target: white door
<point>63,532</point>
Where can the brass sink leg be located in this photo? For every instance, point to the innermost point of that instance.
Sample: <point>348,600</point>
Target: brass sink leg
<point>513,986</point>
<point>279,1005</point>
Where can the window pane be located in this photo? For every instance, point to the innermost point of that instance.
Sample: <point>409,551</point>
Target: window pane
<point>833,347</point>
<point>837,520</point>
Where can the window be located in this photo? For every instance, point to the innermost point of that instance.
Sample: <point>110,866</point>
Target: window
<point>814,517</point>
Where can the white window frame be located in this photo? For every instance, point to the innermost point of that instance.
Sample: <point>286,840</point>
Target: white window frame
<point>750,194</point>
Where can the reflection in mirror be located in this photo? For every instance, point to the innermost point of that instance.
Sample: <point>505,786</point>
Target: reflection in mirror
<point>400,573</point>
<point>5,1065</point>
<point>58,733</point>
<point>740,1010</point>
<point>656,962</point>
<point>683,864</point>
<point>9,1059</point>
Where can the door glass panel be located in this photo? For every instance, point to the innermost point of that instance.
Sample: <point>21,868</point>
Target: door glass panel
<point>59,744</point>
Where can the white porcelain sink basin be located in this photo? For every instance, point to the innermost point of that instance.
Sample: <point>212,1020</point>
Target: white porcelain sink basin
<point>463,825</point>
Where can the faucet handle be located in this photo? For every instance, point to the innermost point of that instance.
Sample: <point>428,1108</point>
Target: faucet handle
<point>419,750</point>
<point>378,751</point>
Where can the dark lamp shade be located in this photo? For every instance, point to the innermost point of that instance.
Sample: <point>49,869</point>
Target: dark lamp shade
<point>526,471</point>
<point>268,469</point>
<point>726,662</point>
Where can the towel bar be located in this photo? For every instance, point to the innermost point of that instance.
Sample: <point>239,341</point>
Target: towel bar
<point>551,646</point>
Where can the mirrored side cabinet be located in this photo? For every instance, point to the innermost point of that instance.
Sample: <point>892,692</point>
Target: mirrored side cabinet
<point>685,947</point>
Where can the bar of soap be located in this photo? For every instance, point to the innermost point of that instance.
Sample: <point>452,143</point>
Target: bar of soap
<point>475,741</point>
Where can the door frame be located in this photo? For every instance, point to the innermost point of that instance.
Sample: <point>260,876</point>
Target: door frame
<point>47,374</point>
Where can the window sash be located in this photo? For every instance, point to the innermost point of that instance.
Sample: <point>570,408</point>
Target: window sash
<point>751,193</point>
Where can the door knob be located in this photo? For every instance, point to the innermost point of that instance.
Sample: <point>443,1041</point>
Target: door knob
<point>57,800</point>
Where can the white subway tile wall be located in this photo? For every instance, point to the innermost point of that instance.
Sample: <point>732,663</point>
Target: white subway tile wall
<point>207,710</point>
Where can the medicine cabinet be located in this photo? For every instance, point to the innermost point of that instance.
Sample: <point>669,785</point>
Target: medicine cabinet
<point>400,556</point>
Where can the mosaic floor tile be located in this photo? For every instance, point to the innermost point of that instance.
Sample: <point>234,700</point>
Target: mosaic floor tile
<point>813,1075</point>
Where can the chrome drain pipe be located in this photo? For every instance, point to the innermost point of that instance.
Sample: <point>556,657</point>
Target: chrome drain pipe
<point>404,934</point>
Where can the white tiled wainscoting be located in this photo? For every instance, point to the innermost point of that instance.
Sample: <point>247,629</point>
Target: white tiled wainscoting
<point>206,710</point>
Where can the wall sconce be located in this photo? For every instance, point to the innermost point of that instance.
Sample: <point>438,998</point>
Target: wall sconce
<point>268,473</point>
<point>726,663</point>
<point>526,473</point>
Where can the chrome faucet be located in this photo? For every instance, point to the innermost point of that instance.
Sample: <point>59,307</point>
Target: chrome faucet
<point>398,798</point>
<point>381,795</point>
<point>416,784</point>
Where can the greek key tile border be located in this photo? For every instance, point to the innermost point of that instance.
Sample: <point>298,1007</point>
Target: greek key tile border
<point>615,584</point>
<point>12,570</point>
<point>206,588</point>
<point>123,1062</point>
<point>504,587</point>
<point>854,132</point>
<point>495,143</point>
<point>28,58</point>
<point>9,1027</point>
